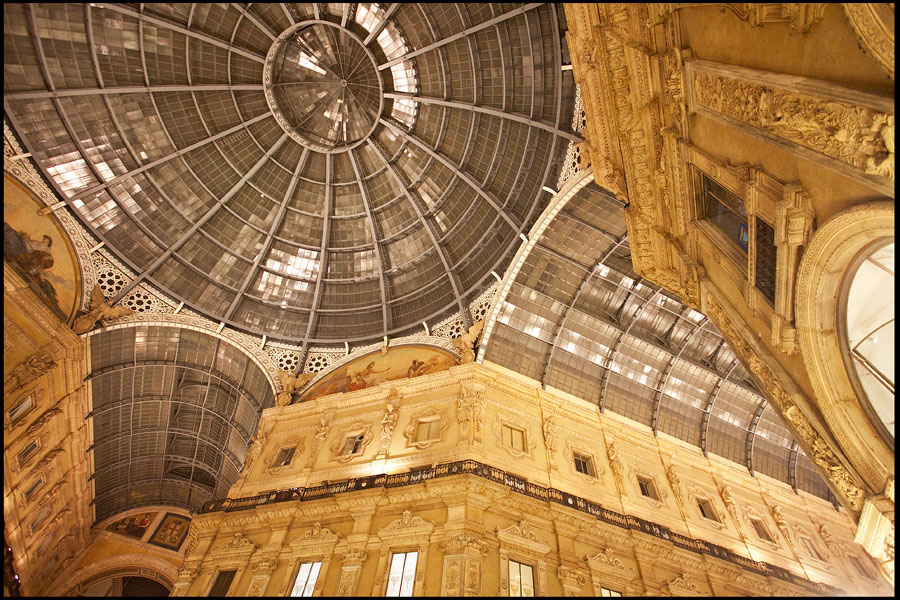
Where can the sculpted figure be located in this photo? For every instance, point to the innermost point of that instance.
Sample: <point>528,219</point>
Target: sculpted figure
<point>252,454</point>
<point>466,342</point>
<point>33,367</point>
<point>100,310</point>
<point>290,385</point>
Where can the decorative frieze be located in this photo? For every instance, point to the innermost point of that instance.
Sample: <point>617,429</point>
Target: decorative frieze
<point>802,115</point>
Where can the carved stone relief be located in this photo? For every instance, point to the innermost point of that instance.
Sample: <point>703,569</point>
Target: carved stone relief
<point>800,16</point>
<point>33,367</point>
<point>859,136</point>
<point>874,26</point>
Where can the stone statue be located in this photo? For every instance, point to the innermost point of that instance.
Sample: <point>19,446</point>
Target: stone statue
<point>549,434</point>
<point>101,310</point>
<point>253,453</point>
<point>387,427</point>
<point>290,385</point>
<point>33,367</point>
<point>467,341</point>
<point>781,522</point>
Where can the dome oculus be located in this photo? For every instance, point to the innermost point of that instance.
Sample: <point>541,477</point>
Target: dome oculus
<point>323,86</point>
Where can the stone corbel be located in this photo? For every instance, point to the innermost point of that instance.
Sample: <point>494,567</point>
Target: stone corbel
<point>463,555</point>
<point>351,561</point>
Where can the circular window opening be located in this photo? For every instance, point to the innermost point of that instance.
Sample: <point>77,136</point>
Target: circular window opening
<point>867,333</point>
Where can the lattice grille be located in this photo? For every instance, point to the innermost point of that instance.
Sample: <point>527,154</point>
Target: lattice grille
<point>765,260</point>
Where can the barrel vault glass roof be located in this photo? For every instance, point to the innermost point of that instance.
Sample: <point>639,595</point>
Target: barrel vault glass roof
<point>322,173</point>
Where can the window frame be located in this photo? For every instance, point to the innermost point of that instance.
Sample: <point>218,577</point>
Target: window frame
<point>586,459</point>
<point>215,578</point>
<point>16,420</point>
<point>37,448</point>
<point>290,458</point>
<point>710,507</point>
<point>297,570</point>
<point>403,571</point>
<point>36,485</point>
<point>759,523</point>
<point>644,479</point>
<point>520,564</point>
<point>511,428</point>
<point>358,439</point>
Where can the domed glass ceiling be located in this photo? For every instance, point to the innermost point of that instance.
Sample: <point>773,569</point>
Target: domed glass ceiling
<point>313,172</point>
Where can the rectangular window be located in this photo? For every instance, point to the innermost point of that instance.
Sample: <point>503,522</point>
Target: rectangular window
<point>306,579</point>
<point>513,438</point>
<point>402,574</point>
<point>21,409</point>
<point>604,593</point>
<point>648,488</point>
<point>427,431</point>
<point>285,455</point>
<point>352,445</point>
<point>762,531</point>
<point>811,548</point>
<point>521,579</point>
<point>223,582</point>
<point>724,209</point>
<point>38,520</point>
<point>765,260</point>
<point>707,510</point>
<point>28,452</point>
<point>859,567</point>
<point>584,464</point>
<point>34,487</point>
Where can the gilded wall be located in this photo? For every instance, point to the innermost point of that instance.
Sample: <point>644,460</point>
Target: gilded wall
<point>438,470</point>
<point>787,111</point>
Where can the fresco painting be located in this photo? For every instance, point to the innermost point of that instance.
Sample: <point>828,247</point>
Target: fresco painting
<point>171,531</point>
<point>38,250</point>
<point>374,368</point>
<point>132,526</point>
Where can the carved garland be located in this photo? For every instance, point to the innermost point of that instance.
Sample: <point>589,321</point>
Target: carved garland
<point>814,444</point>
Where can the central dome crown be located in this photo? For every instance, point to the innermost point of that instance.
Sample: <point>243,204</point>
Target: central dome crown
<point>323,86</point>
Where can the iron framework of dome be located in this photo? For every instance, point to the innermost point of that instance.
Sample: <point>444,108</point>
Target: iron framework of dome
<point>318,173</point>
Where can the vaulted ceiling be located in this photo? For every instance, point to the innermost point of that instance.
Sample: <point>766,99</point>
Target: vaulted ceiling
<point>330,173</point>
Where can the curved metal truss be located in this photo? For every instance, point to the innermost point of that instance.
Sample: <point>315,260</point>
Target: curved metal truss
<point>573,314</point>
<point>151,123</point>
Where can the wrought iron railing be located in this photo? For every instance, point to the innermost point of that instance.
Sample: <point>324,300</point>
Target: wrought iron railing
<point>521,486</point>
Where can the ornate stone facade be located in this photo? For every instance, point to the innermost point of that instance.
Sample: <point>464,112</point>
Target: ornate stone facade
<point>472,512</point>
<point>748,115</point>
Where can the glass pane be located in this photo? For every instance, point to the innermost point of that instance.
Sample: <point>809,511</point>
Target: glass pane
<point>300,582</point>
<point>527,581</point>
<point>422,432</point>
<point>311,582</point>
<point>515,584</point>
<point>409,574</point>
<point>393,588</point>
<point>435,432</point>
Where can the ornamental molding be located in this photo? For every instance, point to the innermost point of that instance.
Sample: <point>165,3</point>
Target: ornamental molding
<point>642,470</point>
<point>571,576</point>
<point>607,557</point>
<point>407,525</point>
<point>835,126</point>
<point>460,543</point>
<point>237,550</point>
<point>510,420</point>
<point>297,443</point>
<point>29,370</point>
<point>873,24</point>
<point>357,428</point>
<point>427,416</point>
<point>814,445</point>
<point>800,16</point>
<point>697,493</point>
<point>681,584</point>
<point>573,446</point>
<point>521,537</point>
